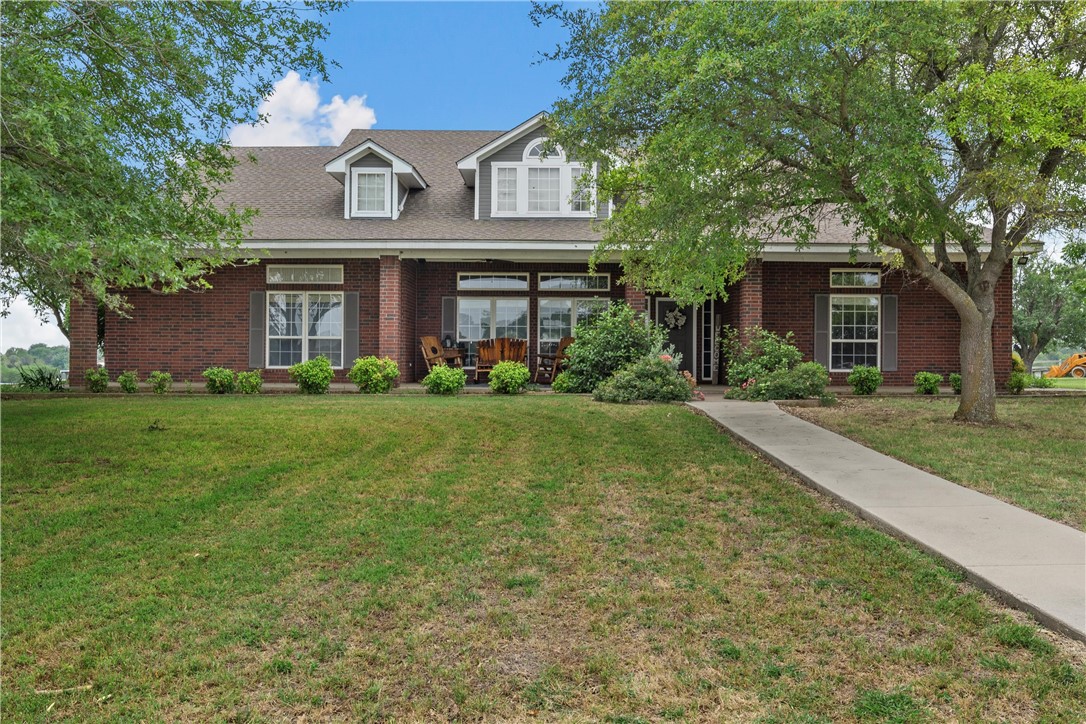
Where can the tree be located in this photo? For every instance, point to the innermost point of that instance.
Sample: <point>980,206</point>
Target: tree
<point>726,123</point>
<point>114,118</point>
<point>1048,309</point>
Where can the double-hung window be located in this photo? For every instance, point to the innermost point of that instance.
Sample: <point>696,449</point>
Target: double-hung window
<point>543,183</point>
<point>854,331</point>
<point>371,192</point>
<point>304,325</point>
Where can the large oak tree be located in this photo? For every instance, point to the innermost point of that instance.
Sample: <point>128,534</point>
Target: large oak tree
<point>113,124</point>
<point>727,123</point>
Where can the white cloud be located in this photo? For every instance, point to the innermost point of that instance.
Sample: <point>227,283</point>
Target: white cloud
<point>22,328</point>
<point>297,118</point>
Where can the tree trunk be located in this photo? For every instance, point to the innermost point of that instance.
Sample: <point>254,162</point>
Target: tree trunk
<point>1029,356</point>
<point>977,403</point>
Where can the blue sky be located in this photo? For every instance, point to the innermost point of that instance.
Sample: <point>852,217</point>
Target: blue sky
<point>451,65</point>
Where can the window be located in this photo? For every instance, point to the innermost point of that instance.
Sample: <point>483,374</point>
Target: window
<point>490,282</point>
<point>559,317</point>
<point>867,278</point>
<point>505,181</point>
<point>305,274</point>
<point>854,331</point>
<point>574,282</point>
<point>543,183</point>
<point>544,190</point>
<point>372,192</point>
<point>581,200</point>
<point>489,318</point>
<point>304,325</point>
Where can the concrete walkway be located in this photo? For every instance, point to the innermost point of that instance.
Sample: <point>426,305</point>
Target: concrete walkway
<point>1027,561</point>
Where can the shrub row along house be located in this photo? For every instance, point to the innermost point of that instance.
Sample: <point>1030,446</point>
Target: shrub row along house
<point>471,235</point>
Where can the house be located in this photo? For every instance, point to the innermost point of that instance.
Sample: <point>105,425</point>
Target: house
<point>468,235</point>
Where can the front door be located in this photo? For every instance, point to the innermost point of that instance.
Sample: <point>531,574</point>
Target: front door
<point>680,324</point>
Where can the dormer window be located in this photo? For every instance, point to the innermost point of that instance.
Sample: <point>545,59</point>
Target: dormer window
<point>543,183</point>
<point>376,182</point>
<point>371,192</point>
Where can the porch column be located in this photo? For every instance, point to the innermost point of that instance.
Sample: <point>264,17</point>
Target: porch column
<point>390,312</point>
<point>636,299</point>
<point>748,299</point>
<point>82,338</point>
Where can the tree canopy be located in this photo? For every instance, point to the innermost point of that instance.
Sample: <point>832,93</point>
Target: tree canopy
<point>114,117</point>
<point>725,124</point>
<point>1049,308</point>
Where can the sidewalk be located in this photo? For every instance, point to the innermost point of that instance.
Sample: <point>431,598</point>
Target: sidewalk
<point>1027,561</point>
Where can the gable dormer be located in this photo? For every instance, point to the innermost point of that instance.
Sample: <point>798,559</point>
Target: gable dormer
<point>376,182</point>
<point>518,176</point>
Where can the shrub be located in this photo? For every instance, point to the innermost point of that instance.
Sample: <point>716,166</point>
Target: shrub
<point>763,352</point>
<point>445,380</point>
<point>41,378</point>
<point>509,377</point>
<point>807,379</point>
<point>561,383</point>
<point>1041,382</point>
<point>220,381</point>
<point>927,383</point>
<point>250,383</point>
<point>1017,364</point>
<point>160,382</point>
<point>97,379</point>
<point>313,376</point>
<point>129,381</point>
<point>374,376</point>
<point>864,380</point>
<point>651,378</point>
<point>955,382</point>
<point>1017,382</point>
<point>608,341</point>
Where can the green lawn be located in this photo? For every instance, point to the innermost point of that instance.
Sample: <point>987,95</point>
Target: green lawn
<point>1033,457</point>
<point>412,558</point>
<point>1070,383</point>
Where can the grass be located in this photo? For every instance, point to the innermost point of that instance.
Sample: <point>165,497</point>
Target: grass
<point>1070,383</point>
<point>1032,458</point>
<point>474,558</point>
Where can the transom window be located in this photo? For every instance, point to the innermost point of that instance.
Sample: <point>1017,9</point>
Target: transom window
<point>574,282</point>
<point>487,319</point>
<point>305,273</point>
<point>491,282</point>
<point>371,190</point>
<point>854,331</point>
<point>559,317</point>
<point>304,325</point>
<point>866,278</point>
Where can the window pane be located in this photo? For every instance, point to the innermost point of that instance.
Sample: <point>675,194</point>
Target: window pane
<point>511,318</point>
<point>325,315</point>
<point>582,196</point>
<point>857,278</point>
<point>506,188</point>
<point>544,189</point>
<point>330,348</point>
<point>854,331</point>
<point>473,324</point>
<point>307,274</point>
<point>284,352</point>
<point>371,192</point>
<point>555,322</point>
<point>587,307</point>
<point>574,282</point>
<point>285,315</point>
<point>517,282</point>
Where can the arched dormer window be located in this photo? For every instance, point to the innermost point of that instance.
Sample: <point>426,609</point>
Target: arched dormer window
<point>536,151</point>
<point>544,183</point>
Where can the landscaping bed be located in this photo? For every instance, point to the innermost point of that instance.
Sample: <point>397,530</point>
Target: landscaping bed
<point>481,557</point>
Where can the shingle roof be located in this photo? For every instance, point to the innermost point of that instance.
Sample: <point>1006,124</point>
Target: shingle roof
<point>298,200</point>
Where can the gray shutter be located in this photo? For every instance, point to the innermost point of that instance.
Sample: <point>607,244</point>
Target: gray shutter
<point>822,329</point>
<point>350,328</point>
<point>448,318</point>
<point>257,309</point>
<point>889,333</point>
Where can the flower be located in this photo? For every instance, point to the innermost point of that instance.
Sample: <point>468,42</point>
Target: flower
<point>665,357</point>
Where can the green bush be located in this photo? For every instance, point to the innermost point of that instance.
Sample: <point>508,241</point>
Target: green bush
<point>1017,364</point>
<point>40,378</point>
<point>955,382</point>
<point>445,380</point>
<point>927,383</point>
<point>97,379</point>
<point>561,383</point>
<point>608,341</point>
<point>651,378</point>
<point>864,380</point>
<point>313,376</point>
<point>764,352</point>
<point>509,377</point>
<point>250,383</point>
<point>807,379</point>
<point>373,375</point>
<point>129,381</point>
<point>220,381</point>
<point>1041,382</point>
<point>160,382</point>
<point>1017,382</point>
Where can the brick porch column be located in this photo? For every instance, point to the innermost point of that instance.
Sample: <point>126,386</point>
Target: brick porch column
<point>82,338</point>
<point>748,298</point>
<point>636,299</point>
<point>390,313</point>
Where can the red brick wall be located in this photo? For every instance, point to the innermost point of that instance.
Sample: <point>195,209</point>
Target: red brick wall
<point>82,338</point>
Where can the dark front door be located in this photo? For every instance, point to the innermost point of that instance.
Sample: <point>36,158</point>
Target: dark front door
<point>681,326</point>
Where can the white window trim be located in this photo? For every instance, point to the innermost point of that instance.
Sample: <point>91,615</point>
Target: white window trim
<point>526,277</point>
<point>270,267</point>
<point>565,189</point>
<point>493,316</point>
<point>362,170</point>
<point>305,328</point>
<point>853,271</point>
<point>539,282</point>
<point>878,326</point>
<point>573,301</point>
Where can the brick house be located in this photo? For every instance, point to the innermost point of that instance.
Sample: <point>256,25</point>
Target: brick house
<point>468,235</point>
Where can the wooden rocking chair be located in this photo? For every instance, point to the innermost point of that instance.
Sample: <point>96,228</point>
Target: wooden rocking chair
<point>487,354</point>
<point>550,365</point>
<point>434,354</point>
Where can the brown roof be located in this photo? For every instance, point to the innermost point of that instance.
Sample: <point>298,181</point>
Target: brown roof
<point>297,199</point>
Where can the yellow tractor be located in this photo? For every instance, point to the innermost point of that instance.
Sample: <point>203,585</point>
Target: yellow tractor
<point>1073,366</point>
